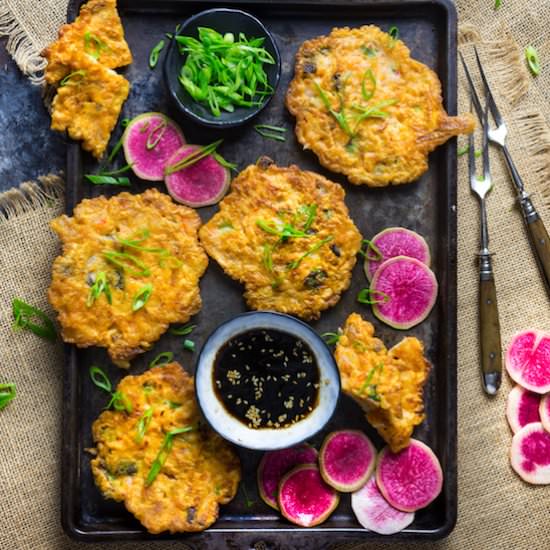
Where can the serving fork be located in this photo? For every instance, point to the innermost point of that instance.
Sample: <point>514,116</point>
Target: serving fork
<point>538,236</point>
<point>489,325</point>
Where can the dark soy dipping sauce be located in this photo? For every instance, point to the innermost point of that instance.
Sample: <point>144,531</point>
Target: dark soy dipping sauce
<point>266,378</point>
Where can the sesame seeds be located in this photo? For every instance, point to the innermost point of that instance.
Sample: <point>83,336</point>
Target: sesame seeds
<point>267,379</point>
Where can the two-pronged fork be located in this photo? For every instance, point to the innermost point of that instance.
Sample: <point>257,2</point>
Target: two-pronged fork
<point>538,236</point>
<point>489,325</point>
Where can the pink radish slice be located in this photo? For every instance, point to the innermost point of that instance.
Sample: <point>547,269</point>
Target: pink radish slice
<point>304,498</point>
<point>275,464</point>
<point>530,454</point>
<point>411,478</point>
<point>396,241</point>
<point>528,360</point>
<point>374,512</point>
<point>203,183</point>
<point>411,288</point>
<point>347,460</point>
<point>149,141</point>
<point>522,408</point>
<point>544,411</point>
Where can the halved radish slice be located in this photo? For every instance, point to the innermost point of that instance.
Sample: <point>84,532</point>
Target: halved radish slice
<point>522,408</point>
<point>411,478</point>
<point>304,498</point>
<point>530,454</point>
<point>374,512</point>
<point>528,360</point>
<point>203,183</point>
<point>275,464</point>
<point>347,460</point>
<point>544,412</point>
<point>149,141</point>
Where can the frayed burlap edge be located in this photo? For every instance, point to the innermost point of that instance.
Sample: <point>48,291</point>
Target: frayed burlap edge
<point>30,196</point>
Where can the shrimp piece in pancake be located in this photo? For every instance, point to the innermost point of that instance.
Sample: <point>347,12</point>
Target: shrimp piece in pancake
<point>97,32</point>
<point>133,242</point>
<point>388,384</point>
<point>89,104</point>
<point>367,109</point>
<point>287,236</point>
<point>201,470</point>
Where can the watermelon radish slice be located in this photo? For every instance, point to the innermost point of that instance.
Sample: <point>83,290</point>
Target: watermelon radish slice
<point>203,183</point>
<point>149,141</point>
<point>522,408</point>
<point>392,242</point>
<point>411,478</point>
<point>347,460</point>
<point>374,512</point>
<point>530,454</point>
<point>275,464</point>
<point>409,290</point>
<point>528,360</point>
<point>304,498</point>
<point>544,412</point>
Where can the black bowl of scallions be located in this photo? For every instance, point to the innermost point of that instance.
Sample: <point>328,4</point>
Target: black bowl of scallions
<point>223,67</point>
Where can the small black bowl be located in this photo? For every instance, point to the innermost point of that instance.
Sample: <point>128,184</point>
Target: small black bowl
<point>222,20</point>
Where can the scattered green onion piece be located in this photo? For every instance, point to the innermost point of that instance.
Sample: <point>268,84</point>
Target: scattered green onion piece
<point>194,157</point>
<point>143,424</point>
<point>7,393</point>
<point>33,319</point>
<point>100,379</point>
<point>369,296</point>
<point>107,180</point>
<point>370,246</point>
<point>120,402</point>
<point>100,286</point>
<point>125,261</point>
<point>224,163</point>
<point>532,60</point>
<point>163,453</point>
<point>154,55</point>
<point>162,359</point>
<point>67,80</point>
<point>339,116</point>
<point>136,243</point>
<point>125,121</point>
<point>271,132</point>
<point>142,296</point>
<point>394,35</point>
<point>118,171</point>
<point>96,49</point>
<point>189,345</point>
<point>331,338</point>
<point>367,94</point>
<point>367,383</point>
<point>114,152</point>
<point>314,248</point>
<point>183,331</point>
<point>155,135</point>
<point>267,257</point>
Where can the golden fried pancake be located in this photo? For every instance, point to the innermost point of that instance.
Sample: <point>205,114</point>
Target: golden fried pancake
<point>96,32</point>
<point>388,384</point>
<point>287,236</point>
<point>89,104</point>
<point>366,109</point>
<point>201,470</point>
<point>134,243</point>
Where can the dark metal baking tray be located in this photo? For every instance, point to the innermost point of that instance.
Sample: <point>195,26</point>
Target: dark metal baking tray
<point>428,206</point>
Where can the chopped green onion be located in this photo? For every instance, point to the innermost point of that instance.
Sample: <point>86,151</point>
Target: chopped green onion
<point>268,257</point>
<point>163,453</point>
<point>287,230</point>
<point>126,262</point>
<point>116,172</point>
<point>331,338</point>
<point>136,244</point>
<point>7,393</point>
<point>155,135</point>
<point>125,121</point>
<point>143,424</point>
<point>154,55</point>
<point>94,50</point>
<point>33,319</point>
<point>107,180</point>
<point>100,286</point>
<point>394,35</point>
<point>224,163</point>
<point>142,296</point>
<point>194,157</point>
<point>371,246</point>
<point>367,94</point>
<point>69,78</point>
<point>532,60</point>
<point>339,116</point>
<point>372,394</point>
<point>189,345</point>
<point>369,296</point>
<point>271,132</point>
<point>183,331</point>
<point>162,359</point>
<point>120,402</point>
<point>314,248</point>
<point>100,379</point>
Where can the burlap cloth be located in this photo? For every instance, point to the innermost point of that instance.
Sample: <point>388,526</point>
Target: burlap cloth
<point>496,509</point>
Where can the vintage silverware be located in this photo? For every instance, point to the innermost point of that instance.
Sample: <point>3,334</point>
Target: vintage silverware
<point>538,236</point>
<point>489,325</point>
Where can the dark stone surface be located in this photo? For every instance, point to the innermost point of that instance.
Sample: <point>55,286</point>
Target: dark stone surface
<point>28,148</point>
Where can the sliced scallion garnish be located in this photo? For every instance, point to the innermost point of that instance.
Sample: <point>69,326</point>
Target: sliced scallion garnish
<point>369,296</point>
<point>142,296</point>
<point>368,93</point>
<point>100,379</point>
<point>331,338</point>
<point>71,77</point>
<point>189,345</point>
<point>154,55</point>
<point>194,157</point>
<point>120,402</point>
<point>155,135</point>
<point>394,35</point>
<point>107,180</point>
<point>377,255</point>
<point>127,262</point>
<point>162,359</point>
<point>31,318</point>
<point>183,331</point>
<point>100,286</point>
<point>143,424</point>
<point>7,393</point>
<point>93,45</point>
<point>533,60</point>
<point>271,132</point>
<point>311,250</point>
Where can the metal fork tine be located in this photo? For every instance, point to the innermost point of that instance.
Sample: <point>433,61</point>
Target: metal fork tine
<point>471,152</point>
<point>485,142</point>
<point>489,96</point>
<point>473,93</point>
